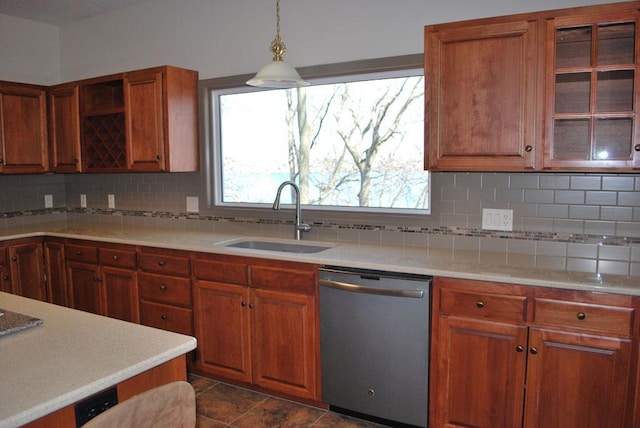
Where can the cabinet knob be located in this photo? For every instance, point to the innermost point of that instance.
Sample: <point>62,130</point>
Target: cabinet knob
<point>243,304</point>
<point>528,148</point>
<point>480,304</point>
<point>163,287</point>
<point>158,157</point>
<point>1,161</point>
<point>581,315</point>
<point>115,257</point>
<point>161,263</point>
<point>519,348</point>
<point>534,351</point>
<point>251,306</point>
<point>14,258</point>
<point>78,252</point>
<point>636,147</point>
<point>5,277</point>
<point>164,316</point>
<point>75,160</point>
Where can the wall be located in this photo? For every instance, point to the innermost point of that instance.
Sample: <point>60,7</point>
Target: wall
<point>584,222</point>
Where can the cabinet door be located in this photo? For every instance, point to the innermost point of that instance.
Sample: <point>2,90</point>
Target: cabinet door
<point>27,270</point>
<point>480,376</point>
<point>5,271</point>
<point>84,287</point>
<point>284,338</point>
<point>23,129</point>
<point>145,116</point>
<point>120,293</point>
<point>222,329</point>
<point>54,261</point>
<point>480,94</point>
<point>591,90</point>
<point>578,380</point>
<point>64,128</point>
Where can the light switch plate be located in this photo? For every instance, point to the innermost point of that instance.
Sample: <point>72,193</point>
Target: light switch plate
<point>495,219</point>
<point>83,201</point>
<point>48,201</point>
<point>111,201</point>
<point>192,204</point>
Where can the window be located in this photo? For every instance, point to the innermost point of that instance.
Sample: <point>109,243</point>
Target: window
<point>352,143</point>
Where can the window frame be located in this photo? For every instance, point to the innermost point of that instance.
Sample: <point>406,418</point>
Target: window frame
<point>328,73</point>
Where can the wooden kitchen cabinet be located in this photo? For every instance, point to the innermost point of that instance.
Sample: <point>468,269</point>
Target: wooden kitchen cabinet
<point>5,270</point>
<point>143,120</point>
<point>161,119</point>
<point>590,81</point>
<point>165,290</point>
<point>27,268</point>
<point>510,356</point>
<point>23,129</point>
<point>481,94</point>
<point>256,323</point>
<point>56,271</point>
<point>103,280</point>
<point>64,128</point>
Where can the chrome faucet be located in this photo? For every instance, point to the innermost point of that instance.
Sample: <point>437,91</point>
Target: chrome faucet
<point>299,226</point>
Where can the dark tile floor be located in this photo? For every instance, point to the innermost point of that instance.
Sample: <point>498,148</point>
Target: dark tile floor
<point>222,405</point>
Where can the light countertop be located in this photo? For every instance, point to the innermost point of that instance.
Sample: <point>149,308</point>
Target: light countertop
<point>420,260</point>
<point>71,356</point>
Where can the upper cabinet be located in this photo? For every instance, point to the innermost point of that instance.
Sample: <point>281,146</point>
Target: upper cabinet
<point>592,96</point>
<point>64,128</point>
<point>554,90</point>
<point>143,120</point>
<point>23,129</point>
<point>481,101</point>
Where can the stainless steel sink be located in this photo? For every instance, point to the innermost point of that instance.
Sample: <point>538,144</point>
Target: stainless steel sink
<point>286,247</point>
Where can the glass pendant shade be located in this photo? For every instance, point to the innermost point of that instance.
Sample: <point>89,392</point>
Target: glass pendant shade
<point>277,74</point>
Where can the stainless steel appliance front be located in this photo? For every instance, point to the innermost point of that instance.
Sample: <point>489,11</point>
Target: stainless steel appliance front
<point>374,341</point>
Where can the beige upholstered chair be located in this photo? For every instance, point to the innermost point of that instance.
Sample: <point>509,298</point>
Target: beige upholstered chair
<point>172,406</point>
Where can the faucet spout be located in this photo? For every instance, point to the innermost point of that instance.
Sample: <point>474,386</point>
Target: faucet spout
<point>299,226</point>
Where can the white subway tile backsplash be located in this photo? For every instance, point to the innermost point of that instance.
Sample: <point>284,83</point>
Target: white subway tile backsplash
<point>618,183</point>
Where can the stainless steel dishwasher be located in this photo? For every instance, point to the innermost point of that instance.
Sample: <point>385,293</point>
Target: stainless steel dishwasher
<point>374,342</point>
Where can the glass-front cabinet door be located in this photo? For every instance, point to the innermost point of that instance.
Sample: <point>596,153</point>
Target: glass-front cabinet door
<point>592,92</point>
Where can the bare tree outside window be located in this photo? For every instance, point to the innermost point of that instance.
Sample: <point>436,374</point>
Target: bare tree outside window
<point>352,144</point>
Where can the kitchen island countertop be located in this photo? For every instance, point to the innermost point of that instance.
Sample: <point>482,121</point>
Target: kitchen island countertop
<point>71,356</point>
<point>419,260</point>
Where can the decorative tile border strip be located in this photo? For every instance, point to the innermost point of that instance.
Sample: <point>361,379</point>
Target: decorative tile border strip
<point>450,231</point>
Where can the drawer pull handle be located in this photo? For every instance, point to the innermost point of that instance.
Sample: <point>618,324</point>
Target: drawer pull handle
<point>534,351</point>
<point>519,348</point>
<point>164,317</point>
<point>581,315</point>
<point>161,263</point>
<point>480,304</point>
<point>163,287</point>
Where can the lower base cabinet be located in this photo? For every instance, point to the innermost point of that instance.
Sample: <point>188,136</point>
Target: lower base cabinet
<point>256,323</point>
<point>513,356</point>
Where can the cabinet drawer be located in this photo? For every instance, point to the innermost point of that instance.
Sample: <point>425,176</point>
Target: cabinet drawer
<point>166,289</point>
<point>165,317</point>
<point>584,316</point>
<point>483,305</point>
<point>283,279</point>
<point>118,258</point>
<point>235,273</point>
<point>81,253</point>
<point>166,264</point>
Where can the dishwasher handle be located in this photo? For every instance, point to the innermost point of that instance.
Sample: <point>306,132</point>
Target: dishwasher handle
<point>417,294</point>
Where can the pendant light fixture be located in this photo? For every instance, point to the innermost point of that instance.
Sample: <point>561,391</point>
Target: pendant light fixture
<point>277,74</point>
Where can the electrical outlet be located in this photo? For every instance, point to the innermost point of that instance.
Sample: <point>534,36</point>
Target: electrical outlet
<point>48,201</point>
<point>192,204</point>
<point>111,199</point>
<point>83,201</point>
<point>494,219</point>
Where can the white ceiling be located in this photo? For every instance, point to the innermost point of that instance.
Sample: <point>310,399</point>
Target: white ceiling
<point>60,12</point>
